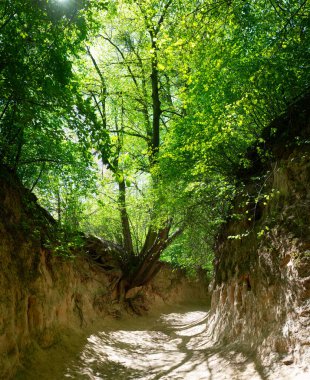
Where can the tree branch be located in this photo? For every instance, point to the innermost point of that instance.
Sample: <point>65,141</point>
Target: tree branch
<point>162,17</point>
<point>124,59</point>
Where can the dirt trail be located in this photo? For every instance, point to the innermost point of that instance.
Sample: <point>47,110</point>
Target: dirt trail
<point>173,345</point>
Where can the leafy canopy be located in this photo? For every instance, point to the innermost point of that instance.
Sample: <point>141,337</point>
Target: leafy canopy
<point>130,119</point>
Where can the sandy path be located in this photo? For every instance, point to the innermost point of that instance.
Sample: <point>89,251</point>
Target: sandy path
<point>171,345</point>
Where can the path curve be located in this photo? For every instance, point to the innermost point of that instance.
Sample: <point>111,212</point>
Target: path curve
<point>175,346</point>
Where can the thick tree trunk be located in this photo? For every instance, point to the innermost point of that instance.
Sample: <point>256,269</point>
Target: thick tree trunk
<point>149,241</point>
<point>124,218</point>
<point>149,264</point>
<point>156,106</point>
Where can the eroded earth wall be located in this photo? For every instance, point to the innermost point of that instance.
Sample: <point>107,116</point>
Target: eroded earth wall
<point>261,287</point>
<point>39,292</point>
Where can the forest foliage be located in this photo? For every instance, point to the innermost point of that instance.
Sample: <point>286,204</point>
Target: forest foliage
<point>130,119</point>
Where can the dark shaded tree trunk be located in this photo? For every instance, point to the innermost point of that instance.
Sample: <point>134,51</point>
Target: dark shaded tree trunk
<point>127,239</point>
<point>155,104</point>
<point>149,263</point>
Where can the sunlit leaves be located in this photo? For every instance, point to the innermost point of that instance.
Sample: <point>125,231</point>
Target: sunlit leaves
<point>224,70</point>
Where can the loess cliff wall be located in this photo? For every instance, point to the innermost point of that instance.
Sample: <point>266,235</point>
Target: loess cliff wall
<point>40,293</point>
<point>261,288</point>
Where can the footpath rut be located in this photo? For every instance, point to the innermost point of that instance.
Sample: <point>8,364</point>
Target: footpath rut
<point>173,345</point>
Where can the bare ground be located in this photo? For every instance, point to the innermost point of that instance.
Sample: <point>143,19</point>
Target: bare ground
<point>172,345</point>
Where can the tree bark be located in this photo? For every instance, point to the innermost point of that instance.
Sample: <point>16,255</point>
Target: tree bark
<point>125,218</point>
<point>148,266</point>
<point>156,104</point>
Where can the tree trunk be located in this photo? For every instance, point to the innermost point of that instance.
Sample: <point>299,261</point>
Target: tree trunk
<point>58,206</point>
<point>124,218</point>
<point>149,264</point>
<point>156,104</point>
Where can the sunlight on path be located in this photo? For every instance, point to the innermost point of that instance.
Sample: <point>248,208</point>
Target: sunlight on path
<point>175,346</point>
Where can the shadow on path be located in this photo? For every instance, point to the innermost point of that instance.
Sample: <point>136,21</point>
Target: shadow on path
<point>175,346</point>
